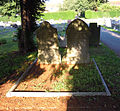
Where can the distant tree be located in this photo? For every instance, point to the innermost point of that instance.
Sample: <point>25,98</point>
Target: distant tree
<point>68,5</point>
<point>80,5</point>
<point>101,1</point>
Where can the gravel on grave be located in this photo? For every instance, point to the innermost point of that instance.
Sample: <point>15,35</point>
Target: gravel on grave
<point>62,77</point>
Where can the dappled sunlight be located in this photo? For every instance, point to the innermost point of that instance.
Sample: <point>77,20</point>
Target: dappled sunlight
<point>79,25</point>
<point>77,34</point>
<point>48,47</point>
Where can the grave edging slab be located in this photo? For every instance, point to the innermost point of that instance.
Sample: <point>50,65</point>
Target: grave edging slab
<point>22,76</point>
<point>54,94</point>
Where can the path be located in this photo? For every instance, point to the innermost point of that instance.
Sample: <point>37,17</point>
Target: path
<point>111,39</point>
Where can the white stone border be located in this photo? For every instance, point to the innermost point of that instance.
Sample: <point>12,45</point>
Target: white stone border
<point>105,85</point>
<point>12,93</point>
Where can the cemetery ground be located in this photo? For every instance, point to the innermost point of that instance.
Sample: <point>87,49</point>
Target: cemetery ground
<point>113,30</point>
<point>111,38</point>
<point>12,65</point>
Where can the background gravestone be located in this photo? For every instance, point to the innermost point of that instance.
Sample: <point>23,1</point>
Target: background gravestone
<point>95,34</point>
<point>47,38</point>
<point>77,34</point>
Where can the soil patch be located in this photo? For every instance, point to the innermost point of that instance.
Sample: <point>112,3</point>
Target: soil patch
<point>63,77</point>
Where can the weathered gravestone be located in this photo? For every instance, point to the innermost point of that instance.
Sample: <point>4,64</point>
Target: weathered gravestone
<point>77,34</point>
<point>47,38</point>
<point>95,34</point>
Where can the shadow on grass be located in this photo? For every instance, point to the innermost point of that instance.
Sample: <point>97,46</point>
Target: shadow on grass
<point>13,65</point>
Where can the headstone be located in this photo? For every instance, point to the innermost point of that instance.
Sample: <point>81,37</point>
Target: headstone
<point>95,34</point>
<point>47,38</point>
<point>77,34</point>
<point>108,22</point>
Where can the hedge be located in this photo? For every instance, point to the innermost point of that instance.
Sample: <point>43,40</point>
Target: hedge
<point>12,18</point>
<point>99,14</point>
<point>63,15</point>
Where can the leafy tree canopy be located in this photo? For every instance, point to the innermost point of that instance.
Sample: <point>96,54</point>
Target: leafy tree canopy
<point>81,5</point>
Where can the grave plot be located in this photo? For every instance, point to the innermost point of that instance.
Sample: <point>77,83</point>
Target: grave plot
<point>60,80</point>
<point>78,78</point>
<point>50,77</point>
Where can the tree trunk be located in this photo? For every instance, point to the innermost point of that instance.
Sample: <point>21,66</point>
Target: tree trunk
<point>22,33</point>
<point>25,40</point>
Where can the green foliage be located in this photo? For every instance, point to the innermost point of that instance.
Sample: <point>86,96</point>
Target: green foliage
<point>99,14</point>
<point>93,5</point>
<point>79,5</point>
<point>3,41</point>
<point>106,7</point>
<point>68,5</point>
<point>9,9</point>
<point>11,18</point>
<point>64,15</point>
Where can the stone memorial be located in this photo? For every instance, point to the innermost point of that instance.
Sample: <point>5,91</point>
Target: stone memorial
<point>95,34</point>
<point>48,48</point>
<point>108,22</point>
<point>77,34</point>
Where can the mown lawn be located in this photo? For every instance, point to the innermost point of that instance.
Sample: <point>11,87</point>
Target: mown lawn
<point>10,45</point>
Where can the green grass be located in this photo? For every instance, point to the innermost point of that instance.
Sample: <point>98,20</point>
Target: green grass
<point>113,30</point>
<point>86,78</point>
<point>10,45</point>
<point>14,64</point>
<point>11,62</point>
<point>109,65</point>
<point>83,78</point>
